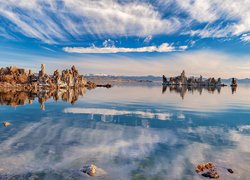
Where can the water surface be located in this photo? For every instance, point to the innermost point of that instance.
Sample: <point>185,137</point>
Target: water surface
<point>128,132</point>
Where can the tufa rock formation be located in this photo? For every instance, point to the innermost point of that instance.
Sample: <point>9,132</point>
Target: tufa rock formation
<point>234,83</point>
<point>13,77</point>
<point>182,80</point>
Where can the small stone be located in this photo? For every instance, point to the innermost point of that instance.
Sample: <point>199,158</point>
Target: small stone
<point>6,124</point>
<point>90,169</point>
<point>230,170</point>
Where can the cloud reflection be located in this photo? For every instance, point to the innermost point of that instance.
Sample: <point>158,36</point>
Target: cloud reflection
<point>46,146</point>
<point>114,112</point>
<point>122,152</point>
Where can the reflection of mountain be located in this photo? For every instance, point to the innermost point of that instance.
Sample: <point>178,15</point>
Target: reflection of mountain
<point>183,89</point>
<point>16,98</point>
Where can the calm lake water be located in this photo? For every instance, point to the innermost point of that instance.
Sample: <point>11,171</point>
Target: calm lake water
<point>128,132</point>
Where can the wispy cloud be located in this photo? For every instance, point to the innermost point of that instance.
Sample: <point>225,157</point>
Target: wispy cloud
<point>245,38</point>
<point>53,21</point>
<point>223,18</point>
<point>165,47</point>
<point>61,21</point>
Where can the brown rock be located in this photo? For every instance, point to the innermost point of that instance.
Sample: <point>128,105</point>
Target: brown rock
<point>6,124</point>
<point>23,79</point>
<point>90,169</point>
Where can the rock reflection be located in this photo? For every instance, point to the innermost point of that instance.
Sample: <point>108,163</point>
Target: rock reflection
<point>182,90</point>
<point>17,98</point>
<point>233,88</point>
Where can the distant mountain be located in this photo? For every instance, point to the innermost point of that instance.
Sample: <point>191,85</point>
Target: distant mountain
<point>97,75</point>
<point>133,78</point>
<point>228,81</point>
<point>151,78</point>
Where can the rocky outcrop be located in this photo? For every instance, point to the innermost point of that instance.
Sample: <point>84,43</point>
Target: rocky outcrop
<point>13,77</point>
<point>191,81</point>
<point>210,171</point>
<point>234,82</point>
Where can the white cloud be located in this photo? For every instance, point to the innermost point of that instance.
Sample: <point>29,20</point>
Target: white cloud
<point>245,37</point>
<point>165,47</point>
<point>108,43</point>
<point>148,39</point>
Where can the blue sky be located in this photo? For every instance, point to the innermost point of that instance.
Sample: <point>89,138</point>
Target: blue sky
<point>140,37</point>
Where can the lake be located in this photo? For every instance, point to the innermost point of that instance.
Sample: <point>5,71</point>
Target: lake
<point>128,132</point>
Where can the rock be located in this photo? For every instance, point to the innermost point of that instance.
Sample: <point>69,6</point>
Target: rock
<point>191,81</point>
<point>234,83</point>
<point>90,169</point>
<point>23,79</point>
<point>8,78</point>
<point>69,78</point>
<point>164,79</point>
<point>21,71</point>
<point>6,124</point>
<point>211,174</point>
<point>90,85</point>
<point>104,85</point>
<point>207,170</point>
<point>230,170</point>
<point>42,72</point>
<point>13,69</point>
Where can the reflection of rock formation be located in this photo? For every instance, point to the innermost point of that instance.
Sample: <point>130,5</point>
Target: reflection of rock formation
<point>16,98</point>
<point>182,80</point>
<point>233,88</point>
<point>234,85</point>
<point>183,89</point>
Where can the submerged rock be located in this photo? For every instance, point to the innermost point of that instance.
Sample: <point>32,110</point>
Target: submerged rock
<point>207,170</point>
<point>6,124</point>
<point>89,169</point>
<point>211,174</point>
<point>104,85</point>
<point>230,170</point>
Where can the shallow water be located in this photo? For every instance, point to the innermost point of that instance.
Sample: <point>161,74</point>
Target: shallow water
<point>128,132</point>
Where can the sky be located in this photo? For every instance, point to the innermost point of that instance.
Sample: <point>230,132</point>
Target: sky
<point>125,37</point>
